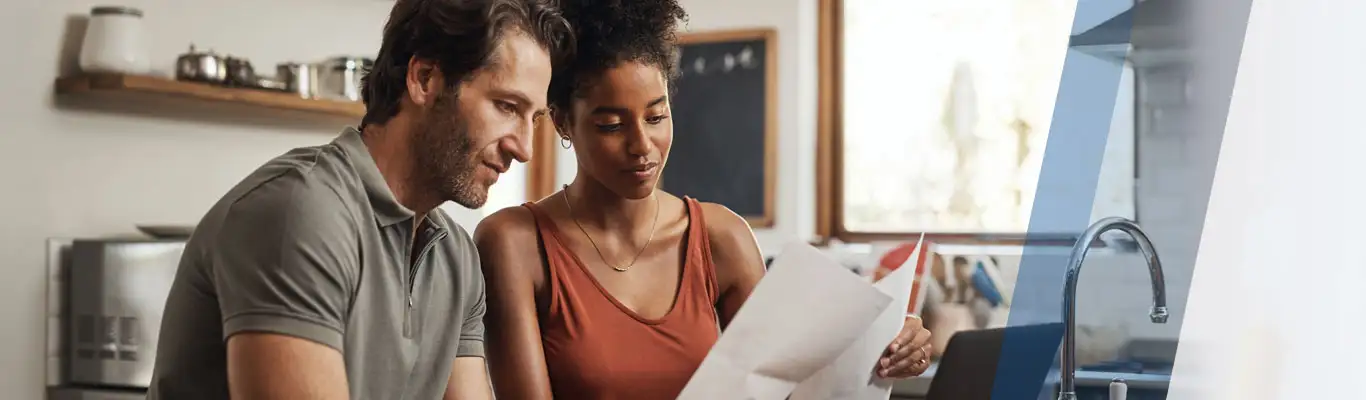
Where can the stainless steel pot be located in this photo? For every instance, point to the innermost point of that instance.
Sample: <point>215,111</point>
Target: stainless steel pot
<point>201,67</point>
<point>240,72</point>
<point>301,79</point>
<point>339,78</point>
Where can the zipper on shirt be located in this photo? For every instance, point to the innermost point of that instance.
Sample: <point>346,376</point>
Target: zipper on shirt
<point>412,280</point>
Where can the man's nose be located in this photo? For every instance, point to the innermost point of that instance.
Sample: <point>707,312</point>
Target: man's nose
<point>520,145</point>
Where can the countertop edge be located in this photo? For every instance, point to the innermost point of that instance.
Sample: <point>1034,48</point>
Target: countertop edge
<point>920,385</point>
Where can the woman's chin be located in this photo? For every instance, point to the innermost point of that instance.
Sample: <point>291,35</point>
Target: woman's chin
<point>638,191</point>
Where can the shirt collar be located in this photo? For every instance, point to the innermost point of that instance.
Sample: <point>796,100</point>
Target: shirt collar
<point>388,210</point>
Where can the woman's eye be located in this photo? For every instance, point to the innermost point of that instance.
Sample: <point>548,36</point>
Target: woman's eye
<point>609,127</point>
<point>655,120</point>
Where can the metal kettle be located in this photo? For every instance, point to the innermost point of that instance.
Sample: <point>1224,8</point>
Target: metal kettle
<point>200,66</point>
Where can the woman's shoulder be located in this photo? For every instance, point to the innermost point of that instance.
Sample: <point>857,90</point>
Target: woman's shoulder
<point>507,242</point>
<point>728,233</point>
<point>734,249</point>
<point>721,220</point>
<point>510,226</point>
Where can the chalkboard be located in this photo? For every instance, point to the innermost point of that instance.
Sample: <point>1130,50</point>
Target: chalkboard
<point>724,107</point>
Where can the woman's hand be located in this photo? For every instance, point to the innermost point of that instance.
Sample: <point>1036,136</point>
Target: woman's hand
<point>909,354</point>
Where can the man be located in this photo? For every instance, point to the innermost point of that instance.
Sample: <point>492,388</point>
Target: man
<point>329,273</point>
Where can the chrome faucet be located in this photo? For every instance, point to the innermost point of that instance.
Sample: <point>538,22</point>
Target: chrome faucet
<point>1069,297</point>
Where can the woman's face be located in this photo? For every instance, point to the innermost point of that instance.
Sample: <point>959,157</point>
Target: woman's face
<point>620,129</point>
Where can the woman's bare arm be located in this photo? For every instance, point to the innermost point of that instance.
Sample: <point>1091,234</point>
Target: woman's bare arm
<point>735,253</point>
<point>512,264</point>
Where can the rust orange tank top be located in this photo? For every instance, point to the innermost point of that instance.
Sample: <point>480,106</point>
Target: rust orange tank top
<point>597,349</point>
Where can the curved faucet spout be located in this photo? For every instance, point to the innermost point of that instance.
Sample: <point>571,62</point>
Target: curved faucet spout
<point>1158,314</point>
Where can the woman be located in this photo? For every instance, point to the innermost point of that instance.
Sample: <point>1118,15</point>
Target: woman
<point>611,289</point>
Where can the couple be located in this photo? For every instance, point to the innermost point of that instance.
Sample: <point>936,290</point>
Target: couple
<point>329,273</point>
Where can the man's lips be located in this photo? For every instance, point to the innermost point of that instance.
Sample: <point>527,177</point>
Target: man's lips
<point>500,169</point>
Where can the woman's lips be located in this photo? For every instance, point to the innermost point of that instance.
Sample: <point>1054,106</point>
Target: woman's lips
<point>644,171</point>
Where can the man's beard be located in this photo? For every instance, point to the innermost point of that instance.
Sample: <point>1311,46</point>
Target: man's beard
<point>444,155</point>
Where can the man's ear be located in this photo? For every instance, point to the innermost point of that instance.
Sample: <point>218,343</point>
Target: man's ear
<point>424,81</point>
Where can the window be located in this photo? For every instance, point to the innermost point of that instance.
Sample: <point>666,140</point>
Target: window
<point>935,115</point>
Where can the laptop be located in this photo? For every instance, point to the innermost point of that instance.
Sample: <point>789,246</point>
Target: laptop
<point>971,366</point>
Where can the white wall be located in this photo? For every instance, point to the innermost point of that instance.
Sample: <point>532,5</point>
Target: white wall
<point>795,22</point>
<point>1276,304</point>
<point>70,173</point>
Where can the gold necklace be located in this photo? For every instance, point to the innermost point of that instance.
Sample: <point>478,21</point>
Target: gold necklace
<point>595,244</point>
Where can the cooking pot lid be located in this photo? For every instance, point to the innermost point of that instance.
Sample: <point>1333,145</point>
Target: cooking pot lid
<point>344,63</point>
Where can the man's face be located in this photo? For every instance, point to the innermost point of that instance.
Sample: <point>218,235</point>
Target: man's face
<point>469,136</point>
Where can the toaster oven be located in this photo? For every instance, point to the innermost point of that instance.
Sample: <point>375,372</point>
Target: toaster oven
<point>116,292</point>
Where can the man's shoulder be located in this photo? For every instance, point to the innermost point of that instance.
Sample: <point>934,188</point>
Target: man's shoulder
<point>303,185</point>
<point>303,174</point>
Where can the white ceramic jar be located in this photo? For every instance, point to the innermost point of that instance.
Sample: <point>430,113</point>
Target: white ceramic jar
<point>115,42</point>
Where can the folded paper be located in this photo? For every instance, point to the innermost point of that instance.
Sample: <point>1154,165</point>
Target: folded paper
<point>853,376</point>
<point>804,314</point>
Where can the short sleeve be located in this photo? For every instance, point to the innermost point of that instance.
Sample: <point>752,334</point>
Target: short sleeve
<point>472,330</point>
<point>284,261</point>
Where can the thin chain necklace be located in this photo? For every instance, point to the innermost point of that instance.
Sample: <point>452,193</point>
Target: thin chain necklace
<point>595,244</point>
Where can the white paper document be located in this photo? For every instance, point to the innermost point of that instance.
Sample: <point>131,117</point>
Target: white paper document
<point>804,314</point>
<point>853,376</point>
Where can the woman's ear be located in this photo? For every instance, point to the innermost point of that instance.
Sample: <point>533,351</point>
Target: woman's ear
<point>561,120</point>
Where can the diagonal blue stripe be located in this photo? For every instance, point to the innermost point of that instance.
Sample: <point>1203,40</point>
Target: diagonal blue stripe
<point>1062,203</point>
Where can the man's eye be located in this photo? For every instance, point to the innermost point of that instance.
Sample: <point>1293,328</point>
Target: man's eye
<point>507,107</point>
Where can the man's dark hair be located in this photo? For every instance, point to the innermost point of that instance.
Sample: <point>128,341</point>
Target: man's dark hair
<point>460,36</point>
<point>610,32</point>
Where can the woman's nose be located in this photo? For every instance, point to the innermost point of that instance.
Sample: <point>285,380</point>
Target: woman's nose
<point>639,140</point>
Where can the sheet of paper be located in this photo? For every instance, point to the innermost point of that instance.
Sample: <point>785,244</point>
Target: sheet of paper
<point>853,376</point>
<point>804,313</point>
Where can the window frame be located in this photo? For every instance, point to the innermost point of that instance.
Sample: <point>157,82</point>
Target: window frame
<point>830,153</point>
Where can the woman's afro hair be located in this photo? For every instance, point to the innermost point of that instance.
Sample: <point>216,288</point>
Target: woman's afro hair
<point>610,32</point>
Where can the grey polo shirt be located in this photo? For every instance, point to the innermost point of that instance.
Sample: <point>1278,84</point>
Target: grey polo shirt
<point>314,245</point>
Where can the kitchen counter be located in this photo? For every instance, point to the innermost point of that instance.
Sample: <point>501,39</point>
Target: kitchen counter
<point>917,387</point>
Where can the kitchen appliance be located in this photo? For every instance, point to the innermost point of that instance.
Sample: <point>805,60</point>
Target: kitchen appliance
<point>339,78</point>
<point>116,292</point>
<point>201,66</point>
<point>115,42</point>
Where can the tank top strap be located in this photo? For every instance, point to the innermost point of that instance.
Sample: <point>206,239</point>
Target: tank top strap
<point>545,228</point>
<point>555,256</point>
<point>699,248</point>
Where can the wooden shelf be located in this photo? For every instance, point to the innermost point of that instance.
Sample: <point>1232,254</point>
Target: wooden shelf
<point>118,85</point>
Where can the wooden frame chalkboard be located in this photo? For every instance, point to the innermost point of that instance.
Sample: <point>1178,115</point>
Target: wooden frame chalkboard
<point>725,122</point>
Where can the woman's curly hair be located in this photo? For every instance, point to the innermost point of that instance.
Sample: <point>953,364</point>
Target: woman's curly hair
<point>611,32</point>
